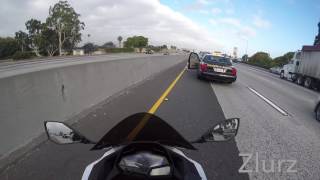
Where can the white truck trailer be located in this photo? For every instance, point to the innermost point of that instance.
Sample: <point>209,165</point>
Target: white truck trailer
<point>304,67</point>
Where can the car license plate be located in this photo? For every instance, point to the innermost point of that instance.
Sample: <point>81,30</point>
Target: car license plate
<point>218,70</point>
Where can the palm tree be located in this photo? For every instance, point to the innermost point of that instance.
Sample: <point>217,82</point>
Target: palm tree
<point>119,39</point>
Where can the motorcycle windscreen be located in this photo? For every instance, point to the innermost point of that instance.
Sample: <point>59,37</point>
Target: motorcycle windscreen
<point>142,127</point>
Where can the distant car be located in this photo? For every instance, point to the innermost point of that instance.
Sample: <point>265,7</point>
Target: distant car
<point>235,60</point>
<point>166,53</point>
<point>214,67</point>
<point>275,70</point>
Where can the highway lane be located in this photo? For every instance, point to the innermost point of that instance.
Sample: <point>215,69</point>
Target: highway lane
<point>192,108</point>
<point>266,131</point>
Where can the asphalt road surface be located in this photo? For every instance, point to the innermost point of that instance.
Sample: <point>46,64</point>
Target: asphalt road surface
<point>192,107</point>
<point>267,132</point>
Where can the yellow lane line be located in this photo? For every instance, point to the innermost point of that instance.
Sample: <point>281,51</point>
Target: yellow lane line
<point>154,108</point>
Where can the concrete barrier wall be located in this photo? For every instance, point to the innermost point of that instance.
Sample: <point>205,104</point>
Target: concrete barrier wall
<point>58,94</point>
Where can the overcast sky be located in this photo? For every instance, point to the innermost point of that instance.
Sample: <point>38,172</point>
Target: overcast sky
<point>274,26</point>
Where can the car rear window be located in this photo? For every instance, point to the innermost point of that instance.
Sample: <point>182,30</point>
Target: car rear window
<point>217,60</point>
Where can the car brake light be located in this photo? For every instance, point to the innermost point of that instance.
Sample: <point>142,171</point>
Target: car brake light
<point>203,67</point>
<point>234,71</point>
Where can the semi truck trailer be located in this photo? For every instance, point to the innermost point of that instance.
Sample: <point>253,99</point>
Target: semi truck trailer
<point>304,67</point>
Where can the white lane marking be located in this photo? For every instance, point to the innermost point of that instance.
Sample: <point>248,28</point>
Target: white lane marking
<point>269,102</point>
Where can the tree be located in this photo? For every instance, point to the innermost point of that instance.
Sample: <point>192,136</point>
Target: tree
<point>129,43</point>
<point>108,45</point>
<point>34,28</point>
<point>119,39</point>
<point>65,22</point>
<point>136,42</point>
<point>245,58</point>
<point>89,48</point>
<point>22,40</point>
<point>8,46</point>
<point>49,41</point>
<point>261,59</point>
<point>173,47</point>
<point>282,60</point>
<point>164,47</point>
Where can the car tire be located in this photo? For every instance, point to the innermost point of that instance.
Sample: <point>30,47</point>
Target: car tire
<point>317,112</point>
<point>199,75</point>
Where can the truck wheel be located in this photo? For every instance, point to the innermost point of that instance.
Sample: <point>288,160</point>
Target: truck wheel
<point>300,80</point>
<point>294,78</point>
<point>308,82</point>
<point>316,85</point>
<point>282,75</point>
<point>317,111</point>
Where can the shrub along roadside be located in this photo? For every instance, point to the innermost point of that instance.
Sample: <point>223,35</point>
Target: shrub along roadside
<point>23,55</point>
<point>262,59</point>
<point>8,46</point>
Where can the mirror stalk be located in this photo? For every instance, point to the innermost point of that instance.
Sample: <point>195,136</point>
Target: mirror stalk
<point>198,141</point>
<point>87,141</point>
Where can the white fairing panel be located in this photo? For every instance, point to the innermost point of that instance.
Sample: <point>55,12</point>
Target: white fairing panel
<point>88,169</point>
<point>196,164</point>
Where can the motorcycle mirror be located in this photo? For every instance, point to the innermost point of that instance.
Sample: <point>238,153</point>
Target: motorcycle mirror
<point>222,131</point>
<point>60,133</point>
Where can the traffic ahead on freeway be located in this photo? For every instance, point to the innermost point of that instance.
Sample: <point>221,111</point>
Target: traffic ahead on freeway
<point>172,90</point>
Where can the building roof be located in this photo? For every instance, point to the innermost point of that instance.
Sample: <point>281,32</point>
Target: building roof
<point>311,48</point>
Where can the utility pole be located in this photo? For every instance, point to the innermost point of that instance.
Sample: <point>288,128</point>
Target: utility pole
<point>246,49</point>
